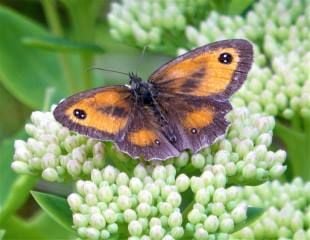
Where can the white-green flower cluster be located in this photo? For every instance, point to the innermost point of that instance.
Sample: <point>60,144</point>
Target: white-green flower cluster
<point>243,152</point>
<point>148,204</point>
<point>287,213</point>
<point>145,206</point>
<point>148,23</point>
<point>55,153</point>
<point>215,209</point>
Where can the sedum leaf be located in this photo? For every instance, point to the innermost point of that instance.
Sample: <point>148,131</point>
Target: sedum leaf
<point>56,207</point>
<point>27,72</point>
<point>61,44</point>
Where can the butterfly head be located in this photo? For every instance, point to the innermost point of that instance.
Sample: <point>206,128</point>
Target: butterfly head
<point>134,81</point>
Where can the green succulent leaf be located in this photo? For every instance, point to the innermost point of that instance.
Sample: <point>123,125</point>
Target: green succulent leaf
<point>253,213</point>
<point>61,44</point>
<point>27,72</point>
<point>56,207</point>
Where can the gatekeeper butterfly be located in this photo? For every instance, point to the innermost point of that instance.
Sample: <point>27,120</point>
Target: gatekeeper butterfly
<point>181,106</point>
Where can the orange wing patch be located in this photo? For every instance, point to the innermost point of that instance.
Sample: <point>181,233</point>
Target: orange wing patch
<point>200,75</point>
<point>199,118</point>
<point>143,137</point>
<point>102,112</point>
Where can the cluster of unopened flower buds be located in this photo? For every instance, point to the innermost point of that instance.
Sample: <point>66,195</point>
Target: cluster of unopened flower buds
<point>287,214</point>
<point>149,204</point>
<point>54,152</point>
<point>145,23</point>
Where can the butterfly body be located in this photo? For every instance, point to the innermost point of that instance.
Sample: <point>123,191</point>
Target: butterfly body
<point>181,106</point>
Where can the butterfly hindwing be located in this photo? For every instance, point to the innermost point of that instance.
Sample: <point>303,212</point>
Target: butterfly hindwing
<point>144,137</point>
<point>218,68</point>
<point>102,113</point>
<point>196,123</point>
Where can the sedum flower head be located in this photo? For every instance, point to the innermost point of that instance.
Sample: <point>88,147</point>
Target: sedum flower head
<point>144,204</point>
<point>55,153</point>
<point>149,206</point>
<point>287,211</point>
<point>149,23</point>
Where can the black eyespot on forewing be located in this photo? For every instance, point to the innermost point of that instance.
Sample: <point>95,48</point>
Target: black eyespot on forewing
<point>79,113</point>
<point>225,58</point>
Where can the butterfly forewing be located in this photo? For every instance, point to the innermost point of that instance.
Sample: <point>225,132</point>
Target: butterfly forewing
<point>215,69</point>
<point>102,113</point>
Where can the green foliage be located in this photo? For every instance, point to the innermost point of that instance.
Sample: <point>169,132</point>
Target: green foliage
<point>26,72</point>
<point>56,207</point>
<point>61,44</point>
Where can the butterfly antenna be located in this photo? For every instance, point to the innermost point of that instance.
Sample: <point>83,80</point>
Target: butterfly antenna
<point>107,70</point>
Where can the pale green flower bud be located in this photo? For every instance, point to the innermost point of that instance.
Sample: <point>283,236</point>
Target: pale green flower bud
<point>196,183</point>
<point>159,172</point>
<point>157,232</point>
<point>182,182</point>
<point>194,216</point>
<point>50,174</point>
<point>175,199</point>
<point>227,225</point>
<point>200,233</point>
<point>124,202</point>
<point>92,233</point>
<point>140,171</point>
<point>143,210</point>
<point>80,220</point>
<point>211,224</point>
<point>175,219</point>
<point>202,196</point>
<point>97,221</point>
<point>135,185</point>
<point>198,160</point>
<point>105,194</point>
<point>182,160</point>
<point>135,228</point>
<point>110,216</point>
<point>22,168</point>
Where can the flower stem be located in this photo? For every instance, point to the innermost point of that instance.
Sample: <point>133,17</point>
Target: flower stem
<point>52,16</point>
<point>18,194</point>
